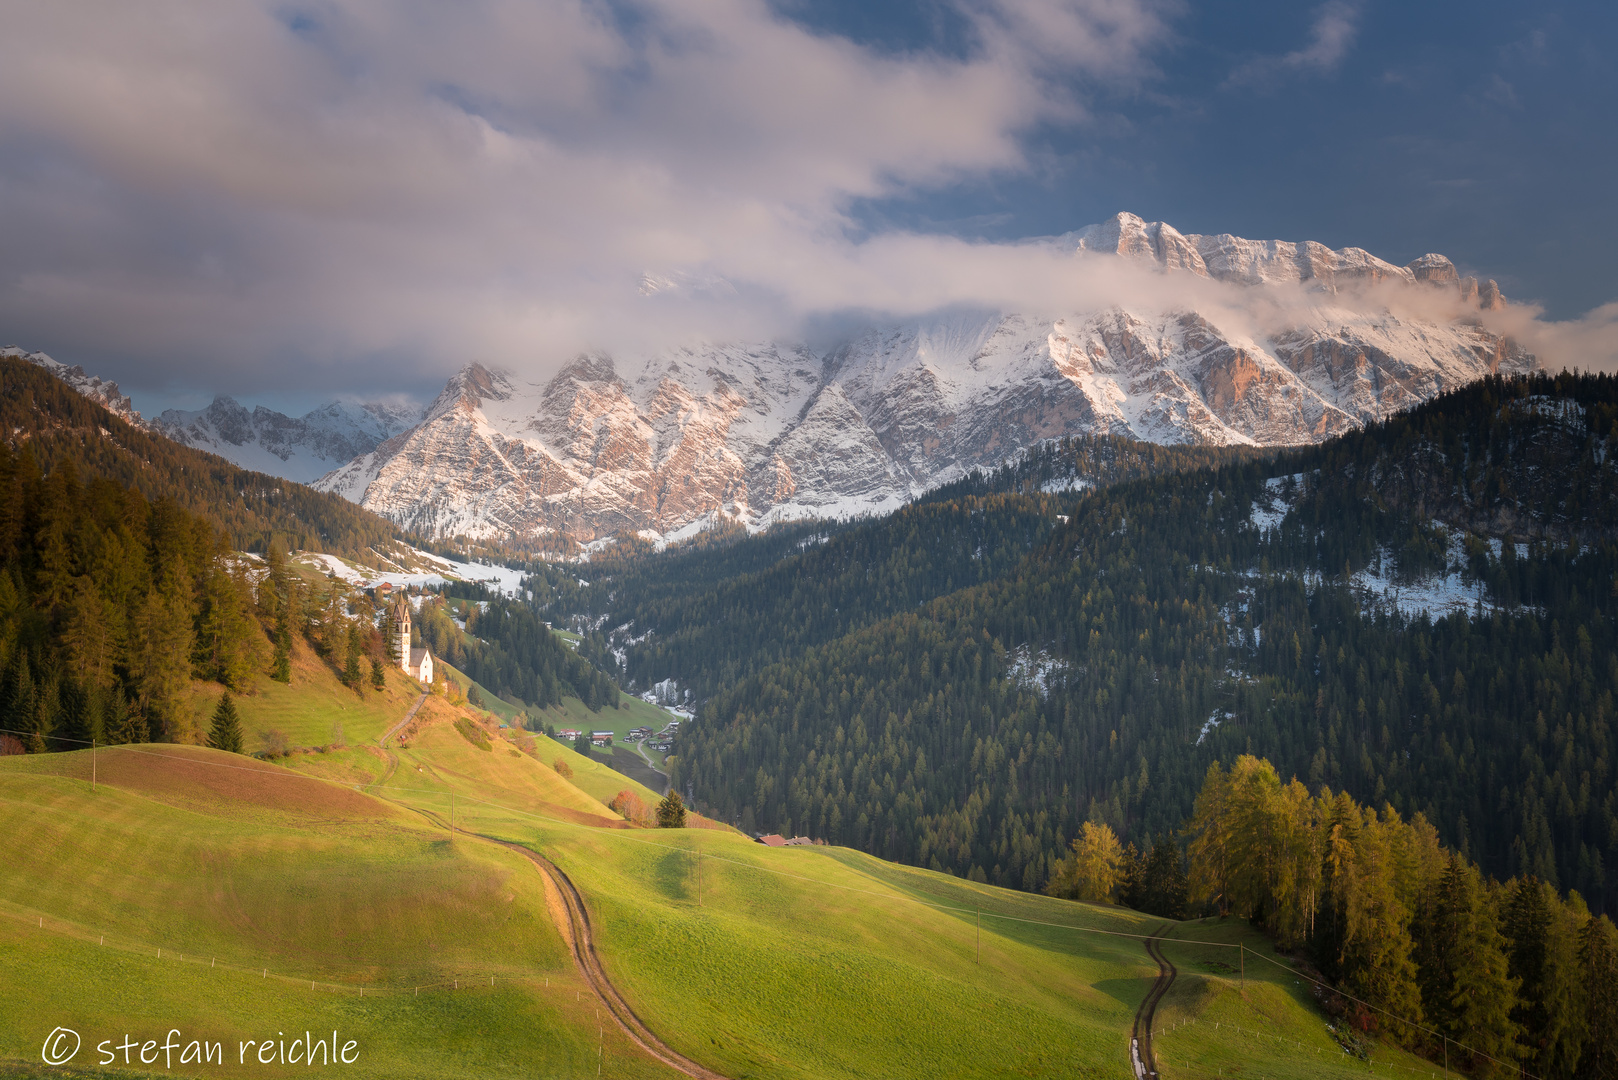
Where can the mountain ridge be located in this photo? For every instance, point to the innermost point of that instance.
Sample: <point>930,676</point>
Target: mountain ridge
<point>301,448</point>
<point>661,445</point>
<point>664,444</point>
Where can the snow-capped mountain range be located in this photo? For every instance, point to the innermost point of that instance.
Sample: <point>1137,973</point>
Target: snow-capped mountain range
<point>662,444</point>
<point>301,448</point>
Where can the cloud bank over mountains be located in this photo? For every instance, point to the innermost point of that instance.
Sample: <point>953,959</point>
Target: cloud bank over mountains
<point>355,193</point>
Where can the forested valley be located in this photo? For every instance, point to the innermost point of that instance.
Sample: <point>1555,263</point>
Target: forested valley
<point>510,651</point>
<point>1091,668</point>
<point>1362,694</point>
<point>726,604</point>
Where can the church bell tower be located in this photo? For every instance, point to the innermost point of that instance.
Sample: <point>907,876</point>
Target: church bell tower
<point>404,633</point>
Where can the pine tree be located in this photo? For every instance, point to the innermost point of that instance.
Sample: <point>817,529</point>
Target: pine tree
<point>227,727</point>
<point>128,726</point>
<point>77,726</point>
<point>229,644</point>
<point>379,677</point>
<point>87,633</point>
<point>1163,881</point>
<point>1132,879</point>
<point>1466,991</point>
<point>281,662</point>
<point>160,652</point>
<point>1527,926</point>
<point>1211,841</point>
<point>351,660</point>
<point>1093,868</point>
<point>671,811</point>
<point>1598,967</point>
<point>17,698</point>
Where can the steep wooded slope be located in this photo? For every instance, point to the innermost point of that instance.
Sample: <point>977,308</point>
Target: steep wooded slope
<point>1355,612</point>
<point>55,424</point>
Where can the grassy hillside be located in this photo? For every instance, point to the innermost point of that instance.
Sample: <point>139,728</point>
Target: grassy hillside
<point>299,879</point>
<point>314,709</point>
<point>804,962</point>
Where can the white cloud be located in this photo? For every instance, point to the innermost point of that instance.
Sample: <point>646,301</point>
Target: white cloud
<point>356,178</point>
<point>1588,343</point>
<point>246,197</point>
<point>1330,38</point>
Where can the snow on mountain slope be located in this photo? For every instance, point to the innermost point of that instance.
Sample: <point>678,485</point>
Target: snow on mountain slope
<point>299,448</point>
<point>766,431</point>
<point>105,394</point>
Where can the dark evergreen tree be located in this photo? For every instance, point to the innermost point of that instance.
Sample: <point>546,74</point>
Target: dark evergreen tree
<point>1163,881</point>
<point>1598,969</point>
<point>1467,992</point>
<point>226,733</point>
<point>353,649</point>
<point>671,811</point>
<point>1132,890</point>
<point>1527,926</point>
<point>129,724</point>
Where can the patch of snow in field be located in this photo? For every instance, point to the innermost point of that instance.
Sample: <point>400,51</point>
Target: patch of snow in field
<point>332,565</point>
<point>1035,669</point>
<point>502,579</point>
<point>1497,547</point>
<point>1436,596</point>
<point>1064,485</point>
<point>1569,414</point>
<point>1213,722</point>
<point>1270,509</point>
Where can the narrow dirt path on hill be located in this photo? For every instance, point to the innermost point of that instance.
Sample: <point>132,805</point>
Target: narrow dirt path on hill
<point>409,716</point>
<point>567,908</point>
<point>1141,1058</point>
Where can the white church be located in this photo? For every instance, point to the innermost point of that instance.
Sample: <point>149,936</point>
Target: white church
<point>417,663</point>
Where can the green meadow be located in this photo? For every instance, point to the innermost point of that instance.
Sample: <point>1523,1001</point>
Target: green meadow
<point>256,880</point>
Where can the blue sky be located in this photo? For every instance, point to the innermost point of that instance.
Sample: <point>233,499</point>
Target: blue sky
<point>1484,131</point>
<point>288,201</point>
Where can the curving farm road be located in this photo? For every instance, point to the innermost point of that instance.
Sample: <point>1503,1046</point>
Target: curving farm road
<point>567,907</point>
<point>409,716</point>
<point>1141,1058</point>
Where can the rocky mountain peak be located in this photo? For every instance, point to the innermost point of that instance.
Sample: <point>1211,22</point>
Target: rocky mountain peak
<point>1433,269</point>
<point>103,393</point>
<point>659,444</point>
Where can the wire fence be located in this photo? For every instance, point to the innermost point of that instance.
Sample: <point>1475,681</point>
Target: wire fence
<point>891,893</point>
<point>1269,1038</point>
<point>354,987</point>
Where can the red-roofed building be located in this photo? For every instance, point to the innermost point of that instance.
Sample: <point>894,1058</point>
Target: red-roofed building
<point>773,840</point>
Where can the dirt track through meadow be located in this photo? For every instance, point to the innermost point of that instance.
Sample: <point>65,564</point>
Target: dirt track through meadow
<point>567,909</point>
<point>1145,1062</point>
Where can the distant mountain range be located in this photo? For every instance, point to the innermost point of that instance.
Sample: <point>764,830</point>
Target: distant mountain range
<point>662,445</point>
<point>301,448</point>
